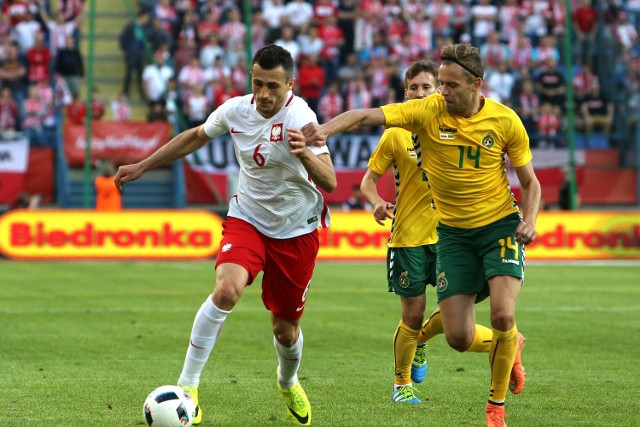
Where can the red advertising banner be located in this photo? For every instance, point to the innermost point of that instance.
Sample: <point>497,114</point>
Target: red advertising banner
<point>119,141</point>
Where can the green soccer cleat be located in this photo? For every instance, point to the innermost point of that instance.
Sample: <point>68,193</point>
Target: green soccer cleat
<point>298,406</point>
<point>405,393</point>
<point>419,365</point>
<point>193,392</point>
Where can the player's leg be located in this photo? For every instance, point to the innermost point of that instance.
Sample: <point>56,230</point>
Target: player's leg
<point>285,288</point>
<point>235,269</point>
<point>504,268</point>
<point>406,277</point>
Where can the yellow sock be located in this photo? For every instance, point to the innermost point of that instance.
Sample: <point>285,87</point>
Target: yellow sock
<point>404,349</point>
<point>431,328</point>
<point>501,357</point>
<point>481,340</point>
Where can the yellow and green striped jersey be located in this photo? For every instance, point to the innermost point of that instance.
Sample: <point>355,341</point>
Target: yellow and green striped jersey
<point>414,222</point>
<point>464,157</point>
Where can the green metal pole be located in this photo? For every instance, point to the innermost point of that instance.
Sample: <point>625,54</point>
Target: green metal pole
<point>89,72</point>
<point>568,73</point>
<point>248,41</point>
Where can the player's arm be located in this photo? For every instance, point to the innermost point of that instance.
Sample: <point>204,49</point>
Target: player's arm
<point>319,167</point>
<point>369,188</point>
<point>531,193</point>
<point>317,135</point>
<point>181,145</point>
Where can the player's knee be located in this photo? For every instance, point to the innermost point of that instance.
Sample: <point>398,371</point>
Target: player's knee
<point>286,336</point>
<point>460,342</point>
<point>502,320</point>
<point>226,295</point>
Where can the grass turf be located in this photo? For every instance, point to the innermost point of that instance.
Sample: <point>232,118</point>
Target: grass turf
<point>83,343</point>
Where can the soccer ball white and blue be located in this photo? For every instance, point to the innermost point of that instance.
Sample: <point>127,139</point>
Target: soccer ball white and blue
<point>169,406</point>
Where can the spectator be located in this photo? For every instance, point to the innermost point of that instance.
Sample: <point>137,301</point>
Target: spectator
<point>501,81</point>
<point>158,36</point>
<point>597,110</point>
<point>76,110</point>
<point>8,111</point>
<point>585,25</point>
<point>440,14</point>
<point>310,41</point>
<point>356,201</point>
<point>154,79</point>
<point>272,12</point>
<point>210,50</point>
<point>97,106</point>
<point>493,52</point>
<point>311,81</point>
<point>59,29</point>
<point>70,65</point>
<point>484,16</point>
<point>132,43</point>
<point>331,103</point>
<point>108,197</point>
<point>196,106</point>
<point>333,39</point>
<point>233,30</point>
<point>626,34</point>
<point>166,15</point>
<point>38,60</point>
<point>24,33</point>
<point>527,105</point>
<point>322,10</point>
<point>347,13</point>
<point>288,42</point>
<point>564,194</point>
<point>32,119</point>
<point>550,84</point>
<point>208,26</point>
<point>120,108</point>
<point>190,76</point>
<point>13,74</point>
<point>582,83</point>
<point>26,201</point>
<point>548,125</point>
<point>299,12</point>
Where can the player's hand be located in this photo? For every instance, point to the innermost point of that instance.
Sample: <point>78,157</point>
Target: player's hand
<point>382,211</point>
<point>314,134</point>
<point>127,173</point>
<point>525,233</point>
<point>295,139</point>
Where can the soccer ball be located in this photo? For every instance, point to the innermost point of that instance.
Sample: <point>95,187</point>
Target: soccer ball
<point>169,406</point>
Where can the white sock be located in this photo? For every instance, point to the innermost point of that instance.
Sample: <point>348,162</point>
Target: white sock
<point>206,327</point>
<point>288,362</point>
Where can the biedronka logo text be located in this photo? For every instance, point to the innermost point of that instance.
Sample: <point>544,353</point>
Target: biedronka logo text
<point>131,234</point>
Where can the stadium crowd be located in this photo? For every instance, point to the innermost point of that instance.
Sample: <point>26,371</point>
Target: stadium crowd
<point>186,57</point>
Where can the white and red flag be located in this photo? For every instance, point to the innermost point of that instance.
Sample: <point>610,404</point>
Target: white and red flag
<point>14,157</point>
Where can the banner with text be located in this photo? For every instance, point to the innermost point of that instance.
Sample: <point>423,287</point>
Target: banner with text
<point>120,141</point>
<point>14,158</point>
<point>131,234</point>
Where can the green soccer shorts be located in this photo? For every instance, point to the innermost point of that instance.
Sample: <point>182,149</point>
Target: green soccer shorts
<point>469,257</point>
<point>410,270</point>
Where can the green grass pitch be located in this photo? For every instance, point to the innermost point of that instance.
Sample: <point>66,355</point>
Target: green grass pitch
<point>83,343</point>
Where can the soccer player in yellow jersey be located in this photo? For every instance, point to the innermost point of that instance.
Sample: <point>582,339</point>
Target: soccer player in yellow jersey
<point>482,230</point>
<point>411,250</point>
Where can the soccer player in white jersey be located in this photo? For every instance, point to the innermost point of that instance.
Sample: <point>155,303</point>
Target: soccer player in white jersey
<point>272,220</point>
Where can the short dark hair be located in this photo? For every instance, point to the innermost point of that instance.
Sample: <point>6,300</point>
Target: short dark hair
<point>273,56</point>
<point>466,56</point>
<point>418,67</point>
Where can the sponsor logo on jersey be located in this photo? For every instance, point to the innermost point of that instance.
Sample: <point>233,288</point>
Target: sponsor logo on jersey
<point>236,131</point>
<point>226,247</point>
<point>276,133</point>
<point>447,136</point>
<point>445,129</point>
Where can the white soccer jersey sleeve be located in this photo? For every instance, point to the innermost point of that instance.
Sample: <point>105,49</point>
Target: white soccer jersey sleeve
<point>275,193</point>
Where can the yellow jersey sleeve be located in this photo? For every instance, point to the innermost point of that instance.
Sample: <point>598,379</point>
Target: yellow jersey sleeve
<point>464,157</point>
<point>414,222</point>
